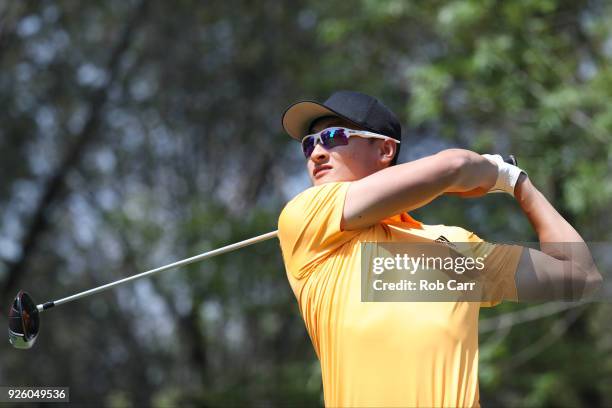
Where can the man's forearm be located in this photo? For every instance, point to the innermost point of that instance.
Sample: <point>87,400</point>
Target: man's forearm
<point>559,240</point>
<point>412,185</point>
<point>546,221</point>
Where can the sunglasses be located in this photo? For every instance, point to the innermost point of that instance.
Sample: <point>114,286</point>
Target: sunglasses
<point>336,136</point>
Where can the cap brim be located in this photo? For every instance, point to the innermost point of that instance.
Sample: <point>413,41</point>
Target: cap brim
<point>298,117</point>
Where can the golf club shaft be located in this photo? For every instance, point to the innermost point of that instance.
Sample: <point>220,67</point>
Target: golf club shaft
<point>187,261</point>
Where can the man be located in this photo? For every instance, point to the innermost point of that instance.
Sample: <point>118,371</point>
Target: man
<point>400,353</point>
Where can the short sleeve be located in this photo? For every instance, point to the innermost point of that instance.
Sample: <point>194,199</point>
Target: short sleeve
<point>501,263</point>
<point>309,227</point>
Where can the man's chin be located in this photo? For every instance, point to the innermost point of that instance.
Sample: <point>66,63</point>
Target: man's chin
<point>328,177</point>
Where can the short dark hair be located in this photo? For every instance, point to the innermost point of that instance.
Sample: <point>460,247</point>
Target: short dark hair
<point>314,122</point>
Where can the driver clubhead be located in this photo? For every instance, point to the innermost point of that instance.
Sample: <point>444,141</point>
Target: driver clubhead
<point>24,321</point>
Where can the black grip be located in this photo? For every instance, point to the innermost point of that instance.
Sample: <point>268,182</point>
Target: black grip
<point>510,159</point>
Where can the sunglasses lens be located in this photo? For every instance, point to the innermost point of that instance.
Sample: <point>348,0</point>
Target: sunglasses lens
<point>329,138</point>
<point>308,146</point>
<point>334,137</point>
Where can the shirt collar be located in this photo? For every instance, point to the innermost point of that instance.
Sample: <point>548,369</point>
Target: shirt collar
<point>404,218</point>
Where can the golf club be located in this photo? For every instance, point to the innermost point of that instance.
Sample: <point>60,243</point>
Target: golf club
<point>24,319</point>
<point>24,314</point>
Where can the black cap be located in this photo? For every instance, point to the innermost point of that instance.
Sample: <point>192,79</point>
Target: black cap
<point>363,110</point>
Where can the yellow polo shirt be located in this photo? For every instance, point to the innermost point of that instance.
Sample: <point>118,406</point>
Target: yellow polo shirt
<point>378,354</point>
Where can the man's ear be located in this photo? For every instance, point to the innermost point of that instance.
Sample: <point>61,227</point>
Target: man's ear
<point>386,152</point>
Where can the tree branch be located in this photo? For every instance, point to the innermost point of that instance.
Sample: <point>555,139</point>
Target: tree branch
<point>55,189</point>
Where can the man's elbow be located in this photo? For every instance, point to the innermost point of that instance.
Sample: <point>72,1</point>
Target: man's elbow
<point>593,280</point>
<point>590,282</point>
<point>454,160</point>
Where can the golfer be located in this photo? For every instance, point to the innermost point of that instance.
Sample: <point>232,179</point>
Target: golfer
<point>400,354</point>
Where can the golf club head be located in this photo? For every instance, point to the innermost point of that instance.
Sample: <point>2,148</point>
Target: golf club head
<point>24,321</point>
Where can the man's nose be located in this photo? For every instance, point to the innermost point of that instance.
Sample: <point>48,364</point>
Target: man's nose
<point>319,154</point>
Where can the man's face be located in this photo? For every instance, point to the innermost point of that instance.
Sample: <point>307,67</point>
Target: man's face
<point>359,158</point>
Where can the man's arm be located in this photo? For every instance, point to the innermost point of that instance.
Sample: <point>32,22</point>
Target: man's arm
<point>564,268</point>
<point>411,185</point>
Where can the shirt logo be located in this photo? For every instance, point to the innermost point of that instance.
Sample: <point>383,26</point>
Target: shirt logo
<point>442,239</point>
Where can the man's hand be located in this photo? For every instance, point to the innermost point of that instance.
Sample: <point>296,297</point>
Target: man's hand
<point>508,179</point>
<point>507,175</point>
<point>478,176</point>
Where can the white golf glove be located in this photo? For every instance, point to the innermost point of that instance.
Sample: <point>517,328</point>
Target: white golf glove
<point>507,175</point>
